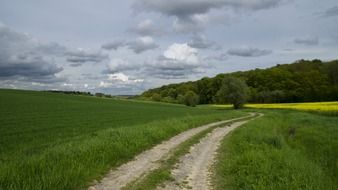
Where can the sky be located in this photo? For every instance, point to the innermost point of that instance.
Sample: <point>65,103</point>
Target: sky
<point>126,47</point>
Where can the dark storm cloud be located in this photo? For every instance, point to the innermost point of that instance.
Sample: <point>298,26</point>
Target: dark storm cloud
<point>310,40</point>
<point>81,56</point>
<point>248,52</point>
<point>188,12</point>
<point>183,8</point>
<point>26,59</point>
<point>26,66</point>
<point>333,11</point>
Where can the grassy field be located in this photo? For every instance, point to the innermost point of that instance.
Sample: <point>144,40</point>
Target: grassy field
<point>285,149</point>
<point>57,141</point>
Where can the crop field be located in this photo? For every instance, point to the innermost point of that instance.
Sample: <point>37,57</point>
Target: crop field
<point>57,141</point>
<point>311,106</point>
<point>327,108</point>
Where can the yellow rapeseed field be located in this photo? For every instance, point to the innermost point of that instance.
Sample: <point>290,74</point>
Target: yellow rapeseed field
<point>311,106</point>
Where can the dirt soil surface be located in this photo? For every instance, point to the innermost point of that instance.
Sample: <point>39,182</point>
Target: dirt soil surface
<point>148,160</point>
<point>193,169</point>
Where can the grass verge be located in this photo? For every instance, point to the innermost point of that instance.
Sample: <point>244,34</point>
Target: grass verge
<point>282,150</point>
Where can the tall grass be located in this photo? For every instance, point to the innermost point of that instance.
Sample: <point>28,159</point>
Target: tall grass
<point>56,141</point>
<point>282,150</point>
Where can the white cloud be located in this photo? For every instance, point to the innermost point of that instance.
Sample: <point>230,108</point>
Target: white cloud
<point>182,52</point>
<point>177,62</point>
<point>118,77</point>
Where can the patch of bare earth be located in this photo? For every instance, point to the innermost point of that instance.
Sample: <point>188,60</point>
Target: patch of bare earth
<point>148,160</point>
<point>193,169</point>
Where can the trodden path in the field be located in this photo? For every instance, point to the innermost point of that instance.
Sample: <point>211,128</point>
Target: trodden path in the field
<point>193,169</point>
<point>149,160</point>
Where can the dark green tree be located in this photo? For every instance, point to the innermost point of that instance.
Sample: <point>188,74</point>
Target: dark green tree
<point>191,99</point>
<point>233,91</point>
<point>156,97</point>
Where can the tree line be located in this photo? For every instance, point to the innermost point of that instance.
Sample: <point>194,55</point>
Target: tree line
<point>301,81</point>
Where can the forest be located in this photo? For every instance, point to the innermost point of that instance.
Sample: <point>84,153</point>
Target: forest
<point>301,81</point>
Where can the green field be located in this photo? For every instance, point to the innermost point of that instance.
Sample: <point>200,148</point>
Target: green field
<point>285,149</point>
<point>57,141</point>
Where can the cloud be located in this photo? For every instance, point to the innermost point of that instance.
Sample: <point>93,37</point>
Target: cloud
<point>165,68</point>
<point>81,56</point>
<point>113,45</point>
<point>24,58</point>
<point>118,77</point>
<point>191,15</point>
<point>120,83</point>
<point>309,40</point>
<point>184,8</point>
<point>201,42</point>
<point>333,11</point>
<point>248,52</point>
<point>181,52</point>
<point>75,64</point>
<point>147,28</point>
<point>193,23</point>
<point>120,65</point>
<point>142,44</point>
<point>139,45</point>
<point>177,62</point>
<point>220,57</point>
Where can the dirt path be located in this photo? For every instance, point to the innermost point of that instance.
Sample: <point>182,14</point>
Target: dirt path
<point>192,172</point>
<point>148,160</point>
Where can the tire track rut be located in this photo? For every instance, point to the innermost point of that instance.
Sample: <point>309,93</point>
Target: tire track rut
<point>193,169</point>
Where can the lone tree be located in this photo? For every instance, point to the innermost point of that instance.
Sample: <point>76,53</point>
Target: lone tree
<point>233,91</point>
<point>156,97</point>
<point>190,99</point>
